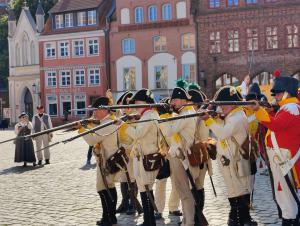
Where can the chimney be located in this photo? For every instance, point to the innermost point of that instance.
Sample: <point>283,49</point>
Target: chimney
<point>40,18</point>
<point>12,23</point>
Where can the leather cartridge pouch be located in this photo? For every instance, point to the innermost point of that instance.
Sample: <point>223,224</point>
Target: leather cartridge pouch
<point>153,161</point>
<point>242,158</point>
<point>198,154</point>
<point>117,161</point>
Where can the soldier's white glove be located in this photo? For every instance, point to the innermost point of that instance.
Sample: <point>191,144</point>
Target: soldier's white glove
<point>173,151</point>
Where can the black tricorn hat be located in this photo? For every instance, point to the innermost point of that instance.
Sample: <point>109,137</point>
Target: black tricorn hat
<point>143,95</point>
<point>165,108</point>
<point>251,96</point>
<point>119,100</point>
<point>197,96</point>
<point>179,93</point>
<point>285,84</point>
<point>126,98</point>
<point>228,93</point>
<point>101,101</point>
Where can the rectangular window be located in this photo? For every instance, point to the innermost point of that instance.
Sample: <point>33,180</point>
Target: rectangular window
<point>52,105</point>
<point>79,78</point>
<point>214,3</point>
<point>128,46</point>
<point>80,103</point>
<point>161,77</point>
<point>78,46</point>
<point>272,39</point>
<point>251,1</point>
<point>92,17</point>
<point>292,36</point>
<point>69,20</point>
<point>65,101</point>
<point>160,43</point>
<point>51,79</point>
<point>64,49</point>
<point>94,77</point>
<point>188,41</point>
<point>50,50</point>
<point>65,78</point>
<point>93,47</point>
<point>252,39</point>
<point>81,18</point>
<point>233,41</point>
<point>189,72</point>
<point>59,21</point>
<point>215,42</point>
<point>233,3</point>
<point>129,78</point>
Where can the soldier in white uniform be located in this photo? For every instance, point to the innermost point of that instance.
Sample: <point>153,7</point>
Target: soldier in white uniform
<point>105,142</point>
<point>145,150</point>
<point>41,122</point>
<point>235,169</point>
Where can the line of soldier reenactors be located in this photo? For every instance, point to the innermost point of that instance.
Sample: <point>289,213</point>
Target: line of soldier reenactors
<point>139,149</point>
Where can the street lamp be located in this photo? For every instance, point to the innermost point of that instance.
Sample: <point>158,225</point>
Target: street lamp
<point>203,78</point>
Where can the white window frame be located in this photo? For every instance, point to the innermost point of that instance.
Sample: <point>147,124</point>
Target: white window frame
<point>81,19</point>
<point>233,41</point>
<point>61,75</point>
<point>91,18</point>
<point>76,100</point>
<point>162,48</point>
<point>252,39</point>
<point>74,46</point>
<point>52,102</point>
<point>131,42</point>
<point>66,48</point>
<point>271,37</point>
<point>190,44</point>
<point>124,82</point>
<point>152,17</point>
<point>155,81</point>
<point>292,36</point>
<point>125,16</point>
<point>59,21</point>
<point>215,42</point>
<point>81,75</point>
<point>53,47</point>
<point>189,67</point>
<point>139,15</point>
<point>63,101</point>
<point>167,11</point>
<point>69,20</point>
<point>93,74</point>
<point>93,44</point>
<point>181,11</point>
<point>53,76</point>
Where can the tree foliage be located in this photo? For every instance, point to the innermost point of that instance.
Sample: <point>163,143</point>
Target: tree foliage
<point>16,5</point>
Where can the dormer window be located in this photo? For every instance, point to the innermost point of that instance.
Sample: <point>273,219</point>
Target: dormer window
<point>59,21</point>
<point>69,20</point>
<point>81,18</point>
<point>92,17</point>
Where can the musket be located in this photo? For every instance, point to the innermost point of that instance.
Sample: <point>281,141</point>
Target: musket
<point>236,103</point>
<point>93,130</point>
<point>131,190</point>
<point>150,197</point>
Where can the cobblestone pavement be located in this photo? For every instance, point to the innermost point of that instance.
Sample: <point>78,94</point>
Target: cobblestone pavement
<point>63,193</point>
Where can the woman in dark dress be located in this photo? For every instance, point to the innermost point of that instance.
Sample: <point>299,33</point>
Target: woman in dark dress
<point>24,151</point>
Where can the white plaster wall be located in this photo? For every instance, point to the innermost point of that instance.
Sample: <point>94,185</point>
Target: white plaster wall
<point>162,59</point>
<point>125,62</point>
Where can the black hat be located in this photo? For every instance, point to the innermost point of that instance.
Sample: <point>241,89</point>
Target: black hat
<point>251,96</point>
<point>254,88</point>
<point>197,96</point>
<point>179,93</point>
<point>228,93</point>
<point>101,101</point>
<point>23,114</point>
<point>285,84</point>
<point>126,97</point>
<point>143,95</point>
<point>119,100</point>
<point>166,108</point>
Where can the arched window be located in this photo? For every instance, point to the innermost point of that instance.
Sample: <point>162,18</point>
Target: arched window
<point>188,41</point>
<point>25,44</point>
<point>167,12</point>
<point>32,53</point>
<point>152,13</point>
<point>128,46</point>
<point>139,15</point>
<point>17,52</point>
<point>125,16</point>
<point>181,10</point>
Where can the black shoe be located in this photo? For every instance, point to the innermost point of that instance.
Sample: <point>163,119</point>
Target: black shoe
<point>131,210</point>
<point>47,162</point>
<point>34,164</point>
<point>103,223</point>
<point>40,162</point>
<point>175,213</point>
<point>157,216</point>
<point>25,164</point>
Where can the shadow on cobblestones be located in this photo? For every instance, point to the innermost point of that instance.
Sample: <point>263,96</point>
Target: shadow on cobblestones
<point>18,170</point>
<point>88,167</point>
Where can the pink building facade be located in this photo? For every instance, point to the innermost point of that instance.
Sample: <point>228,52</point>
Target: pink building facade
<point>152,44</point>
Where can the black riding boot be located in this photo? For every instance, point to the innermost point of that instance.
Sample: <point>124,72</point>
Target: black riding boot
<point>131,208</point>
<point>245,203</point>
<point>235,212</point>
<point>123,207</point>
<point>149,219</point>
<point>200,206</point>
<point>113,205</point>
<point>290,222</point>
<point>105,221</point>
